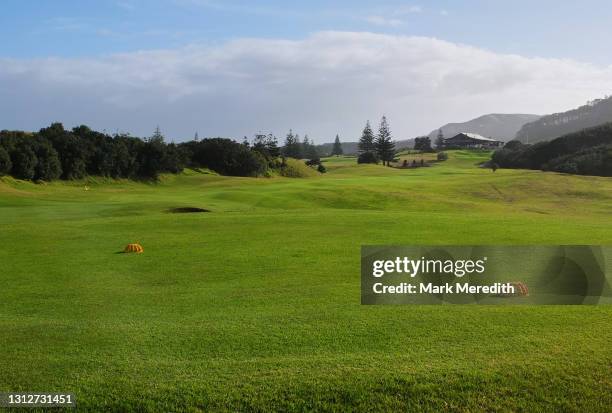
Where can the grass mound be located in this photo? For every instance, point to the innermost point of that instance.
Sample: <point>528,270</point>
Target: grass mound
<point>295,168</point>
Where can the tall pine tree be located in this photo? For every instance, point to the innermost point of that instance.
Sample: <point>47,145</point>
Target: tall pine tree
<point>337,149</point>
<point>309,150</point>
<point>366,142</point>
<point>385,147</point>
<point>293,146</point>
<point>440,140</point>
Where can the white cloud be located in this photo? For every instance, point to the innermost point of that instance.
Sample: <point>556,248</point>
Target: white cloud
<point>327,83</point>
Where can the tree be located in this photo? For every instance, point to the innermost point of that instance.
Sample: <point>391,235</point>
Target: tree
<point>228,158</point>
<point>367,157</point>
<point>422,144</point>
<point>48,167</point>
<point>293,146</point>
<point>385,147</point>
<point>122,160</point>
<point>173,160</point>
<point>337,149</point>
<point>71,148</point>
<point>305,146</point>
<point>24,161</point>
<point>366,142</point>
<point>309,150</point>
<point>157,136</point>
<point>440,140</point>
<point>150,158</point>
<point>5,162</point>
<point>271,144</point>
<point>266,145</point>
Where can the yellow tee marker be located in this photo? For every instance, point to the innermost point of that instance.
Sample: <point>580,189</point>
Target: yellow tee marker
<point>137,248</point>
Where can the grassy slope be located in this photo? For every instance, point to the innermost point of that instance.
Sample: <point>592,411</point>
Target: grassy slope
<point>257,303</point>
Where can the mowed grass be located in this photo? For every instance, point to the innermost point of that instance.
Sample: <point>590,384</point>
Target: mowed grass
<point>256,305</point>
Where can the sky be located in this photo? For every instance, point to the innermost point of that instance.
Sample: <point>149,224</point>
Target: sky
<point>235,68</point>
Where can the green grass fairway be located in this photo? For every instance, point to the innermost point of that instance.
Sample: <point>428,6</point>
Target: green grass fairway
<point>256,305</point>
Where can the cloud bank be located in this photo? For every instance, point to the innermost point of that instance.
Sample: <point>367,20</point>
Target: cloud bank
<point>327,83</point>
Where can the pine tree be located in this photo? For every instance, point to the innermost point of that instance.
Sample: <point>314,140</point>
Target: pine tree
<point>157,136</point>
<point>385,147</point>
<point>366,142</point>
<point>305,145</point>
<point>440,140</point>
<point>309,150</point>
<point>293,147</point>
<point>337,149</point>
<point>271,145</point>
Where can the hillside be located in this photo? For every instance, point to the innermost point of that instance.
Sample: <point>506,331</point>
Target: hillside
<point>587,152</point>
<point>499,126</point>
<point>552,126</point>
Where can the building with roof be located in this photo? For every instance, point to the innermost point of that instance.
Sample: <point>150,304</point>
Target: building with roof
<point>466,140</point>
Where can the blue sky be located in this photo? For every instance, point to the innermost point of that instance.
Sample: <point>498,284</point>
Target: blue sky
<point>190,64</point>
<point>72,28</point>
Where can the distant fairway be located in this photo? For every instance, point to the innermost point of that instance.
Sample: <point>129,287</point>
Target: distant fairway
<point>256,304</point>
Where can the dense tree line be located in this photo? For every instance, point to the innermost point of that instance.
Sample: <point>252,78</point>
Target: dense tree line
<point>373,149</point>
<point>588,152</point>
<point>57,153</point>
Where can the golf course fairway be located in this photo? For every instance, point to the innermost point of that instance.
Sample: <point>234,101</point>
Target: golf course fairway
<point>253,303</point>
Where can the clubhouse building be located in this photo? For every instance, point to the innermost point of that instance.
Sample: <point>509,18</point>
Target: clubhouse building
<point>466,140</point>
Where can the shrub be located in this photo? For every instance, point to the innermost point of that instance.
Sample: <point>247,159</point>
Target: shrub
<point>442,156</point>
<point>321,168</point>
<point>513,145</point>
<point>313,162</point>
<point>367,157</point>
